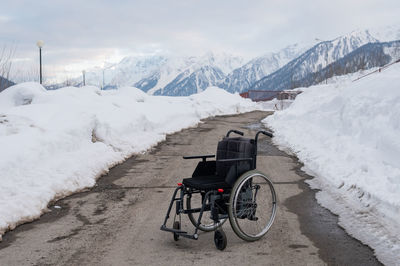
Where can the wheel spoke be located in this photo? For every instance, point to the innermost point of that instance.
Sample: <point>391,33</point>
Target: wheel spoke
<point>251,211</point>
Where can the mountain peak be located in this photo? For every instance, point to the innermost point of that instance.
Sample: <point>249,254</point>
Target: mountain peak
<point>360,35</point>
<point>243,77</point>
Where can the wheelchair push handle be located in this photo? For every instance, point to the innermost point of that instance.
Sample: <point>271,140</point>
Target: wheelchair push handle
<point>234,131</point>
<point>266,133</point>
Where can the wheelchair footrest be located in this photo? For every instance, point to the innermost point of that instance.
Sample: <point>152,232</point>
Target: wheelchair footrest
<point>179,232</point>
<point>176,231</point>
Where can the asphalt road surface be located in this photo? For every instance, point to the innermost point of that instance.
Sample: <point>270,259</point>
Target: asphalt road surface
<point>117,222</point>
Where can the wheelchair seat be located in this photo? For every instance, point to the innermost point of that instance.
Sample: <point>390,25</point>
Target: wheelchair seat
<point>211,175</point>
<point>206,183</point>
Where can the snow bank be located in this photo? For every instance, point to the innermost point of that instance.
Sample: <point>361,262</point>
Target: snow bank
<point>54,143</point>
<point>348,136</point>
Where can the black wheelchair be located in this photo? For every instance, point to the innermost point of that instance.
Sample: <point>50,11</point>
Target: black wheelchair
<point>229,187</point>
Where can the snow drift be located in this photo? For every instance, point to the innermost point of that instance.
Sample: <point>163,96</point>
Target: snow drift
<point>347,135</point>
<point>54,143</point>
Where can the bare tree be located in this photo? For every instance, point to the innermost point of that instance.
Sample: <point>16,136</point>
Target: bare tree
<point>6,55</point>
<point>29,73</point>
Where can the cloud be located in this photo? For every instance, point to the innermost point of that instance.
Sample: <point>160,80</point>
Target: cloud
<point>86,31</point>
<point>4,18</point>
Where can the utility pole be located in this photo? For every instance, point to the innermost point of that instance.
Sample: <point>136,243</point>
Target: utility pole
<point>103,78</point>
<point>83,77</point>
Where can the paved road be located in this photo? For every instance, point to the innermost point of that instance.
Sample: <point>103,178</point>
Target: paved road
<point>117,222</point>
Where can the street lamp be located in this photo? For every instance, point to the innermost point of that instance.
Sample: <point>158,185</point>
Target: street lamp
<point>40,44</point>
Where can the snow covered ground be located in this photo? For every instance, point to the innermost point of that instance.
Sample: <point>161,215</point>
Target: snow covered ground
<point>54,143</point>
<point>348,135</point>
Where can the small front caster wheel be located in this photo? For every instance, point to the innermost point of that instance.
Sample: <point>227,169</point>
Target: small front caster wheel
<point>220,239</point>
<point>176,225</point>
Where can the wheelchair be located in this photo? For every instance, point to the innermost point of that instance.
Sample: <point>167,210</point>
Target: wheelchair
<point>229,187</point>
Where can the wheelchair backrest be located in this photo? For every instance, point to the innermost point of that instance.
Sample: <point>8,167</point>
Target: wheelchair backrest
<point>234,148</point>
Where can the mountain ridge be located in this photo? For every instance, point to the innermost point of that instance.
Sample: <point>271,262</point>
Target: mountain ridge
<point>183,75</point>
<point>313,60</point>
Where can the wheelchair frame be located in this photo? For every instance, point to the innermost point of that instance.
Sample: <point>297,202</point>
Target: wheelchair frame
<point>218,201</point>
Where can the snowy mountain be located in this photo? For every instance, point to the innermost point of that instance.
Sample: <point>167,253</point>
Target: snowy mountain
<point>291,63</point>
<point>243,77</point>
<point>224,61</point>
<point>191,82</point>
<point>125,73</point>
<point>198,72</point>
<point>112,75</point>
<point>182,75</point>
<point>313,60</point>
<point>131,69</point>
<point>367,56</point>
<point>160,77</point>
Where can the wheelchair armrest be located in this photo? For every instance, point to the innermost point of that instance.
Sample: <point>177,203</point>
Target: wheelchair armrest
<point>235,160</point>
<point>204,157</point>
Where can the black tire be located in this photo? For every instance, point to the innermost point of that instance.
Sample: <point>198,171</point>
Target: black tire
<point>203,227</point>
<point>246,208</point>
<point>177,225</point>
<point>220,240</point>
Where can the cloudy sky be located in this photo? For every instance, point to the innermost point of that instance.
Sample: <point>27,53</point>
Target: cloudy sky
<point>82,34</point>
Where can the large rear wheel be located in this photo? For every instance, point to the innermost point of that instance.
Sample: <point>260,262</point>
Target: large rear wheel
<point>252,206</point>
